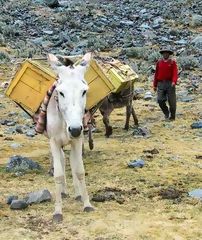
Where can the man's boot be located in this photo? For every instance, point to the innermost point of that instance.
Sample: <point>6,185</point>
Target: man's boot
<point>164,108</point>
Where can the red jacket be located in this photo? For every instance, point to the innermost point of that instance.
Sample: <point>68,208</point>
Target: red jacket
<point>165,70</point>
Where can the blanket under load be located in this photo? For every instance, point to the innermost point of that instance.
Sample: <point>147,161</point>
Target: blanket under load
<point>40,116</point>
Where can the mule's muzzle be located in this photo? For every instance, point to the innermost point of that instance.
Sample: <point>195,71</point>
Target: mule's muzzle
<point>75,131</point>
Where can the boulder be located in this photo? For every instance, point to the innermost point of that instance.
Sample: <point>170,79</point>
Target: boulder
<point>39,196</point>
<point>18,163</point>
<point>11,198</point>
<point>197,41</point>
<point>52,3</point>
<point>18,205</point>
<point>196,193</point>
<point>196,20</point>
<point>196,125</point>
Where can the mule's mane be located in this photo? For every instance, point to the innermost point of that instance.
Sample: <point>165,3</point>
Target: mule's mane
<point>65,61</point>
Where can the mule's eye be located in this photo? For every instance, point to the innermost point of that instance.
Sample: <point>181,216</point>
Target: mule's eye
<point>84,92</point>
<point>62,94</point>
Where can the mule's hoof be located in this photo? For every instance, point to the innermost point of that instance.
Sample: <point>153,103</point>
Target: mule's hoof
<point>51,172</point>
<point>109,131</point>
<point>89,209</point>
<point>107,135</point>
<point>57,218</point>
<point>78,198</point>
<point>64,195</point>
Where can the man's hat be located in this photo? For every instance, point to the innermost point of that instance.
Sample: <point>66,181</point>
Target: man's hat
<point>168,50</point>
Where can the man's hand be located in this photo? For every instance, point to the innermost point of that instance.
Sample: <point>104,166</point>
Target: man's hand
<point>173,84</point>
<point>154,88</point>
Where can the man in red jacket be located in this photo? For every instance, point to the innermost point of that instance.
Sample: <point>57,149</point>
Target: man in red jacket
<point>165,79</point>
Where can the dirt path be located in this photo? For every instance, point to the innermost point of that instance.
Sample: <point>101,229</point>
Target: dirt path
<point>152,202</point>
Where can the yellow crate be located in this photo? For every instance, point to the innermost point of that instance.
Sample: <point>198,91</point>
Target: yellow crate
<point>33,79</point>
<point>30,84</point>
<point>121,76</point>
<point>99,84</point>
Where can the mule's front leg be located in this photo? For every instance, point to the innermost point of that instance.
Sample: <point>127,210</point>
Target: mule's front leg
<point>59,179</point>
<point>64,183</point>
<point>128,114</point>
<point>108,128</point>
<point>135,117</point>
<point>78,173</point>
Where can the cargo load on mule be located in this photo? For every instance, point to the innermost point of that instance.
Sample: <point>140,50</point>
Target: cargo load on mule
<point>34,81</point>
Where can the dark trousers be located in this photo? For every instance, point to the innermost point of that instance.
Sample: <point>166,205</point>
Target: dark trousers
<point>166,92</point>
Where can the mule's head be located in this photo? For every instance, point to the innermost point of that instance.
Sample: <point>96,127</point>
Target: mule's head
<point>71,90</point>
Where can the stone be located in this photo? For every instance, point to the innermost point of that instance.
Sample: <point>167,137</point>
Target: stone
<point>158,20</point>
<point>12,114</point>
<point>127,23</point>
<point>37,41</point>
<point>18,23</point>
<point>48,32</point>
<point>196,193</point>
<point>139,90</point>
<point>186,99</point>
<point>10,123</point>
<point>156,26</point>
<point>200,61</point>
<point>52,3</point>
<point>165,39</point>
<point>197,41</point>
<point>39,196</point>
<point>15,145</point>
<point>136,163</point>
<point>30,133</point>
<point>148,34</point>
<point>143,11</point>
<point>47,44</point>
<point>196,20</point>
<point>181,42</point>
<point>19,129</point>
<point>148,96</point>
<point>18,163</point>
<point>11,198</point>
<point>18,205</point>
<point>196,125</point>
<point>10,131</point>
<point>145,26</point>
<point>141,132</point>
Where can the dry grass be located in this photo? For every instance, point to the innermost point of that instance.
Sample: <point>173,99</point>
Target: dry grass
<point>142,216</point>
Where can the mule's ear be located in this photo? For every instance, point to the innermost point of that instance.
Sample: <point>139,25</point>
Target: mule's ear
<point>86,59</point>
<point>53,60</point>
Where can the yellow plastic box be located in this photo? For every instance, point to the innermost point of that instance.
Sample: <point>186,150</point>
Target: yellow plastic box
<point>33,79</point>
<point>99,84</point>
<point>121,76</point>
<point>30,84</point>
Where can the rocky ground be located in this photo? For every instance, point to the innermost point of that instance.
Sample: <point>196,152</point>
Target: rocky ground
<point>152,202</point>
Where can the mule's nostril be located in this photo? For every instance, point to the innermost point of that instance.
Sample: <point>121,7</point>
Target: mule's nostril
<point>75,132</point>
